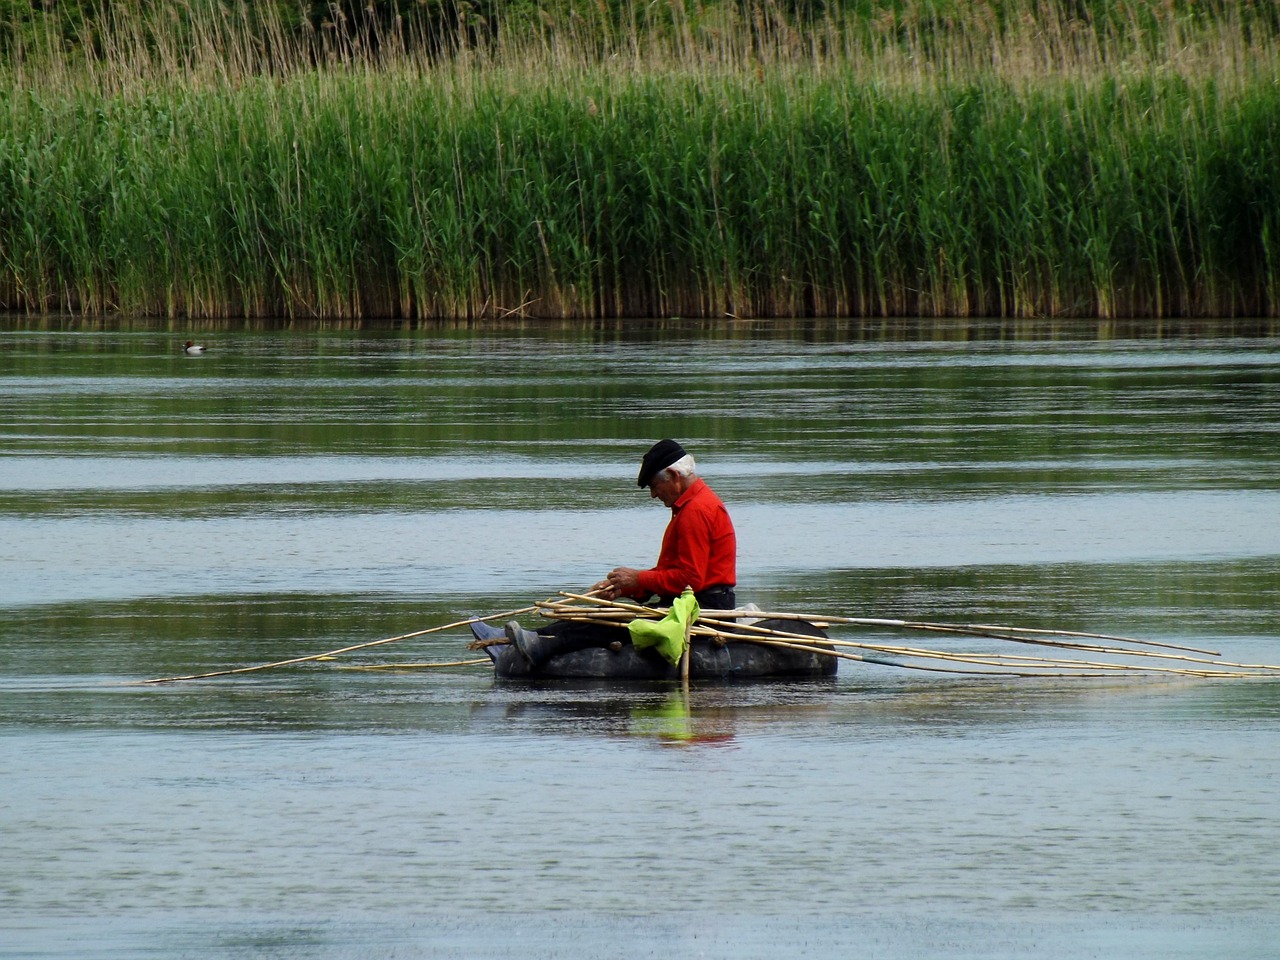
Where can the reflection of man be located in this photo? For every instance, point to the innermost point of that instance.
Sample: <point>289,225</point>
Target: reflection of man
<point>699,550</point>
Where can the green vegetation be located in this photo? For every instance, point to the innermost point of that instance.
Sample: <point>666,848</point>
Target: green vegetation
<point>747,158</point>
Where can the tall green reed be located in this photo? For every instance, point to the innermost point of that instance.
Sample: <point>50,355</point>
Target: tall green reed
<point>876,167</point>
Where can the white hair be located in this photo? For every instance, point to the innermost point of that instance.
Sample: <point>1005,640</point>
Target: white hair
<point>684,467</point>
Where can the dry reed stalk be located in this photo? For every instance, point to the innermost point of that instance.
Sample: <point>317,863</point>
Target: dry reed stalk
<point>685,654</point>
<point>1089,648</point>
<point>636,608</point>
<point>1010,669</point>
<point>726,626</point>
<point>414,666</point>
<point>914,652</point>
<point>620,624</point>
<point>1213,668</point>
<point>1022,635</point>
<point>583,613</point>
<point>978,630</point>
<point>906,666</point>
<point>333,653</point>
<point>917,651</point>
<point>732,630</point>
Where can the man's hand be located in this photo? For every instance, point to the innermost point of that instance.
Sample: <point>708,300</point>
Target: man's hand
<point>624,581</point>
<point>604,590</point>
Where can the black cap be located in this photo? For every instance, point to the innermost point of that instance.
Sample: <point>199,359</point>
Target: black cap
<point>660,456</point>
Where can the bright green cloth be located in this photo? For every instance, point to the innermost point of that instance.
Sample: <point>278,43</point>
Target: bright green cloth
<point>667,634</point>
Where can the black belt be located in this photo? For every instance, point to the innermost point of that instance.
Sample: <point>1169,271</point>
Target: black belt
<point>712,598</point>
<point>716,598</point>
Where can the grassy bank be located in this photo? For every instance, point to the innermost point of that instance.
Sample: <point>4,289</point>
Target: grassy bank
<point>860,167</point>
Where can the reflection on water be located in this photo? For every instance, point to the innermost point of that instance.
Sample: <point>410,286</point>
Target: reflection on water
<point>295,491</point>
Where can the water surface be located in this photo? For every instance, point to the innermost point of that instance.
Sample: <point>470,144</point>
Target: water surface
<point>297,490</point>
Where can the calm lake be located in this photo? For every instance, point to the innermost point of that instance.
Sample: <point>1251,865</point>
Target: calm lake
<point>300,488</point>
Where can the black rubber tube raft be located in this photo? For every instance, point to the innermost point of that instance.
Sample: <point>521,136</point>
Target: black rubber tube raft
<point>708,660</point>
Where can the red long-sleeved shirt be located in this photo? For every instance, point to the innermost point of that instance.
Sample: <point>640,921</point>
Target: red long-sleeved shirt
<point>699,547</point>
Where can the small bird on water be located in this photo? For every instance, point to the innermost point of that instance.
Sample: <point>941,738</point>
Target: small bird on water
<point>192,349</point>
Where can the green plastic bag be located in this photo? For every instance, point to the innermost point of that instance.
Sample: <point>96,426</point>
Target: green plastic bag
<point>667,634</point>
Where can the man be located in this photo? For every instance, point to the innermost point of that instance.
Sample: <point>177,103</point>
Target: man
<point>699,550</point>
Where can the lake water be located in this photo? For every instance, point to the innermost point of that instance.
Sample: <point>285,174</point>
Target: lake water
<point>301,488</point>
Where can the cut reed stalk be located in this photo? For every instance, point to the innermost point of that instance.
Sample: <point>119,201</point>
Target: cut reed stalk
<point>341,650</point>
<point>731,626</point>
<point>1036,664</point>
<point>999,632</point>
<point>686,653</point>
<point>415,666</point>
<point>984,630</point>
<point>1012,661</point>
<point>826,651</point>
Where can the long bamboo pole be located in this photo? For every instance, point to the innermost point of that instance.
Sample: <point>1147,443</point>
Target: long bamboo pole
<point>730,626</point>
<point>723,628</point>
<point>1007,672</point>
<point>976,630</point>
<point>415,666</point>
<point>1215,666</point>
<point>341,650</point>
<point>1212,668</point>
<point>979,630</point>
<point>1013,665</point>
<point>687,653</point>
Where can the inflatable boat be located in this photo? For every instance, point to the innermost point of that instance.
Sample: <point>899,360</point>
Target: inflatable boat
<point>709,659</point>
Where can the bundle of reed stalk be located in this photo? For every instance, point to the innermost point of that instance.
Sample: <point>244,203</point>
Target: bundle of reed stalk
<point>1110,654</point>
<point>332,654</point>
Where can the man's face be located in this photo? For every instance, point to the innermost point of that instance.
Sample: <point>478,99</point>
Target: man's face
<point>666,488</point>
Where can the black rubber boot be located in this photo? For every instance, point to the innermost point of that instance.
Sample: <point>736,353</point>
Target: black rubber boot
<point>486,633</point>
<point>527,643</point>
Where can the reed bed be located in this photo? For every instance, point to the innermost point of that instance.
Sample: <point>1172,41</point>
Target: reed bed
<point>1046,166</point>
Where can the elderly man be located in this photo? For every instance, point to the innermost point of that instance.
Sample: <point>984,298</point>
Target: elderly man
<point>699,550</point>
